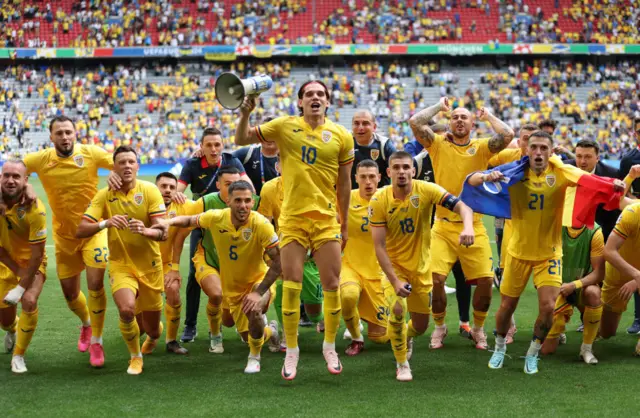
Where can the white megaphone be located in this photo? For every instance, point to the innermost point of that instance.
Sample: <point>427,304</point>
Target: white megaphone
<point>231,89</point>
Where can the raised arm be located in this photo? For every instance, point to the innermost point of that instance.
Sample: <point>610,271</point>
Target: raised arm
<point>503,133</point>
<point>419,122</point>
<point>88,228</point>
<point>245,134</point>
<point>183,221</point>
<point>476,179</point>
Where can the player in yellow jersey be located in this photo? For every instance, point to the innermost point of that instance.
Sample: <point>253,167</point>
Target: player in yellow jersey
<point>361,277</point>
<point>167,183</point>
<point>400,217</point>
<point>453,160</point>
<point>69,175</point>
<point>535,247</point>
<point>135,263</point>
<point>316,156</point>
<point>23,262</point>
<point>242,238</point>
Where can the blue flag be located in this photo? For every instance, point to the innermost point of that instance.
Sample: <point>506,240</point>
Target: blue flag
<point>493,198</point>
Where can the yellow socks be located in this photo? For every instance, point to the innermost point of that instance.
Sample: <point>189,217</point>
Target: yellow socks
<point>214,315</point>
<point>478,318</point>
<point>131,333</point>
<point>331,308</point>
<point>591,320</point>
<point>97,309</point>
<point>255,344</point>
<point>349,295</point>
<point>291,312</point>
<point>398,331</point>
<point>26,328</point>
<point>172,316</point>
<point>79,307</point>
<point>11,328</point>
<point>438,318</point>
<point>559,324</point>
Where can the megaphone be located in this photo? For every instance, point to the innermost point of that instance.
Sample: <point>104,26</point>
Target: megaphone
<point>231,89</point>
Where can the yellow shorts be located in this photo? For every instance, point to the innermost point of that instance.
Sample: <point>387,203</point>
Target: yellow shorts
<point>235,308</point>
<point>445,250</point>
<point>8,280</point>
<point>310,230</point>
<point>73,255</point>
<point>613,281</point>
<point>419,301</point>
<point>516,275</point>
<point>372,304</point>
<point>148,288</point>
<point>507,231</point>
<point>202,268</point>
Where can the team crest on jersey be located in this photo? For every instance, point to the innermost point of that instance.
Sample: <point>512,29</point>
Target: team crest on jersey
<point>551,180</point>
<point>415,201</point>
<point>246,234</point>
<point>172,214</point>
<point>79,160</point>
<point>370,211</point>
<point>21,212</point>
<point>137,199</point>
<point>375,154</point>
<point>472,151</point>
<point>326,136</point>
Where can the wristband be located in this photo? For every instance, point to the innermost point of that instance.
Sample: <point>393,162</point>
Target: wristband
<point>175,267</point>
<point>102,225</point>
<point>578,284</point>
<point>20,290</point>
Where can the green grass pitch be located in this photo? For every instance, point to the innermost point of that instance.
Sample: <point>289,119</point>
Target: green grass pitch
<point>454,381</point>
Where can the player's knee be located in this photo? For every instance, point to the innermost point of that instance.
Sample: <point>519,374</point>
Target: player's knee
<point>349,295</point>
<point>215,299</point>
<point>508,305</point>
<point>547,308</point>
<point>398,311</point>
<point>127,312</point>
<point>227,319</point>
<point>591,295</point>
<point>438,280</point>
<point>420,327</point>
<point>29,302</point>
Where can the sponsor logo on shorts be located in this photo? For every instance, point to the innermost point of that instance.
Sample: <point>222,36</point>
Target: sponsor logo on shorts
<point>326,136</point>
<point>551,180</point>
<point>79,160</point>
<point>247,233</point>
<point>375,154</point>
<point>137,198</point>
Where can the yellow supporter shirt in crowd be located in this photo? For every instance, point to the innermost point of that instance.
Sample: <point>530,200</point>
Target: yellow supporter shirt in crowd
<point>310,160</point>
<point>70,182</point>
<point>129,252</point>
<point>408,224</point>
<point>241,251</point>
<point>360,253</point>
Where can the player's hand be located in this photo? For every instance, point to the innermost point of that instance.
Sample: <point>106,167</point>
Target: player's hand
<point>400,289</point>
<point>162,226</point>
<point>619,186</point>
<point>251,303</point>
<point>171,277</point>
<point>567,289</point>
<point>248,105</point>
<point>118,222</point>
<point>179,198</point>
<point>345,235</point>
<point>14,295</point>
<point>467,237</point>
<point>136,226</point>
<point>445,105</point>
<point>29,195</point>
<point>197,153</point>
<point>493,176</point>
<point>483,114</point>
<point>628,289</point>
<point>634,173</point>
<point>559,149</point>
<point>114,181</point>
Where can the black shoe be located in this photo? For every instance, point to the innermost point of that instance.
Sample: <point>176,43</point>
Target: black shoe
<point>189,334</point>
<point>175,347</point>
<point>635,327</point>
<point>305,321</point>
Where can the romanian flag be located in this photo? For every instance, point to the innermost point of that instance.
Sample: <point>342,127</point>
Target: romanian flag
<point>581,200</point>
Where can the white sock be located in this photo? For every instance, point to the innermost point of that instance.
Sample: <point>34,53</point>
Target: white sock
<point>586,347</point>
<point>295,351</point>
<point>398,365</point>
<point>328,346</point>
<point>86,324</point>
<point>441,326</point>
<point>476,329</point>
<point>136,355</point>
<point>534,348</point>
<point>501,343</point>
<point>96,340</point>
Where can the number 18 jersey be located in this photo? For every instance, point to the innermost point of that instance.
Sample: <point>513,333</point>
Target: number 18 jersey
<point>408,224</point>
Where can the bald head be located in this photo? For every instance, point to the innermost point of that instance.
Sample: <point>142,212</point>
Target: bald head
<point>363,126</point>
<point>461,123</point>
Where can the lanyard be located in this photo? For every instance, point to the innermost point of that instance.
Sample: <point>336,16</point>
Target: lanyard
<point>261,167</point>
<point>213,179</point>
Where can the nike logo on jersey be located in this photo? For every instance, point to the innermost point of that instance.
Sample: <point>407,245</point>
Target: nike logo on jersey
<point>295,131</point>
<point>113,200</point>
<point>222,231</point>
<point>391,211</point>
<point>357,206</point>
<point>202,176</point>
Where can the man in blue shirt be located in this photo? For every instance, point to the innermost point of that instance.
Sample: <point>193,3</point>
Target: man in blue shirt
<point>200,174</point>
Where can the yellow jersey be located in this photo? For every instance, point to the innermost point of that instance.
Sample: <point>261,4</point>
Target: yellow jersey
<point>129,252</point>
<point>452,164</point>
<point>537,204</point>
<point>628,227</point>
<point>360,253</point>
<point>408,224</point>
<point>70,182</point>
<point>241,251</point>
<point>505,156</point>
<point>188,208</point>
<point>310,160</point>
<point>271,198</point>
<point>21,227</point>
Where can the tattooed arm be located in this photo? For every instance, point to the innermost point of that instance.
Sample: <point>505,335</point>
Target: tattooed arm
<point>503,132</point>
<point>420,122</point>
